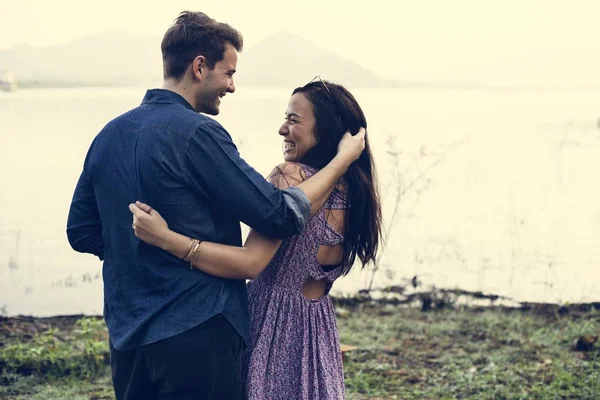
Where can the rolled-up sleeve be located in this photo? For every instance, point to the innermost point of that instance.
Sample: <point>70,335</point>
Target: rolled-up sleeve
<point>213,166</point>
<point>298,204</point>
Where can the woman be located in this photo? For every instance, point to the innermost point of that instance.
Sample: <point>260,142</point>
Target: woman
<point>294,343</point>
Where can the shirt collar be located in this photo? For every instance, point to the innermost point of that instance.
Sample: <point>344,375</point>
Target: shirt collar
<point>165,96</point>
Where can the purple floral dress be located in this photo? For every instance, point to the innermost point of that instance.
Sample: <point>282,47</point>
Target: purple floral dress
<point>294,348</point>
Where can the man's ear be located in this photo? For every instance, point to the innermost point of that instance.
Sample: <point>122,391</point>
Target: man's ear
<point>199,67</point>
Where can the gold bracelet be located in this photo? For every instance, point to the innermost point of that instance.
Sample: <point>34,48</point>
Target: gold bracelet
<point>195,253</point>
<point>189,249</point>
<point>193,243</point>
<point>190,257</point>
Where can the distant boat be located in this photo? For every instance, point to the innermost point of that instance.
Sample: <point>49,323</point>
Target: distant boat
<point>8,82</point>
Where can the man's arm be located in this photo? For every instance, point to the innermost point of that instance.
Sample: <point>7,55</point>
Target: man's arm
<point>214,167</point>
<point>84,229</point>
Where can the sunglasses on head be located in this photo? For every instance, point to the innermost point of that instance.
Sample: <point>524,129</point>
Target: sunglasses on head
<point>322,82</point>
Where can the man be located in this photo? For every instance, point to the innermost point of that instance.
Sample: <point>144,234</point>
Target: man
<point>175,332</point>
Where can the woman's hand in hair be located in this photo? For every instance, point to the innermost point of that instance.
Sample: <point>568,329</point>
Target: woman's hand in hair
<point>351,146</point>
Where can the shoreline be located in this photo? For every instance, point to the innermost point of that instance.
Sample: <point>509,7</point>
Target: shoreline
<point>456,299</point>
<point>396,297</point>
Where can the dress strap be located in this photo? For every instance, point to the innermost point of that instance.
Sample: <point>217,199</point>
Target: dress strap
<point>308,170</point>
<point>337,200</point>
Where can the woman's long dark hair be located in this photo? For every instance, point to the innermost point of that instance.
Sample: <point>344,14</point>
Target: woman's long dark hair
<point>336,112</point>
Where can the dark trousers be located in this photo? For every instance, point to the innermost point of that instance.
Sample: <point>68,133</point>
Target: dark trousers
<point>205,362</point>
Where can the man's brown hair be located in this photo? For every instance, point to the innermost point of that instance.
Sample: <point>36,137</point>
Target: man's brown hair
<point>193,34</point>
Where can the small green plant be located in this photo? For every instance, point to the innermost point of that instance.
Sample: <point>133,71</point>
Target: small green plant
<point>49,353</point>
<point>90,328</point>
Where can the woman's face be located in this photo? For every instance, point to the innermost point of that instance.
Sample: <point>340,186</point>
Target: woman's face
<point>298,128</point>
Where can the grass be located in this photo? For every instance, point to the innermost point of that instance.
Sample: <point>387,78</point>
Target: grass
<point>61,358</point>
<point>35,387</point>
<point>401,353</point>
<point>490,354</point>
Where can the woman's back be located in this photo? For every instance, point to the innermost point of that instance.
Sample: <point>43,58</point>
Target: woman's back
<point>294,342</point>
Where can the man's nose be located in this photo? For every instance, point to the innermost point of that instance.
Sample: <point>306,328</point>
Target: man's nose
<point>231,87</point>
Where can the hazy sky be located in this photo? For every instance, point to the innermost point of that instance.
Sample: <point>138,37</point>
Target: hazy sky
<point>509,41</point>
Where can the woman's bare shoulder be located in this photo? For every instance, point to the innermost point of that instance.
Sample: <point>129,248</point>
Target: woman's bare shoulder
<point>288,174</point>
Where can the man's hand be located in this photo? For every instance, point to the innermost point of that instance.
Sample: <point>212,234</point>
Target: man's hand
<point>351,146</point>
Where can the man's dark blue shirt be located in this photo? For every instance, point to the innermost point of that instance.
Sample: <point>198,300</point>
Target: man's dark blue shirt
<point>186,166</point>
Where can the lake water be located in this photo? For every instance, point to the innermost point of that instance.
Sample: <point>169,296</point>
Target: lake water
<point>483,190</point>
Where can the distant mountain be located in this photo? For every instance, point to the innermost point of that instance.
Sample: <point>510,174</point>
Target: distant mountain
<point>112,58</point>
<point>285,59</point>
<point>117,58</point>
